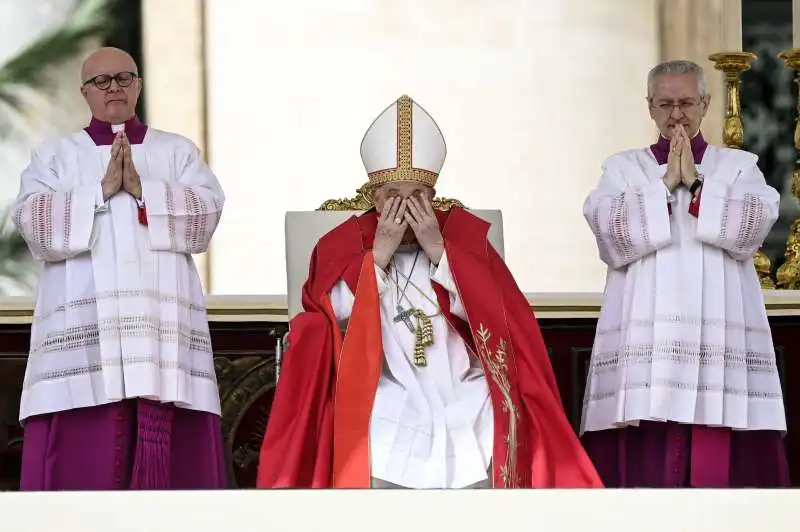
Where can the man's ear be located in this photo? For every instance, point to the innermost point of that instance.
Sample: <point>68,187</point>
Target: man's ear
<point>707,104</point>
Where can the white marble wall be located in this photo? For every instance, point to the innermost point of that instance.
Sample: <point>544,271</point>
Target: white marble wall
<point>531,96</point>
<point>174,77</point>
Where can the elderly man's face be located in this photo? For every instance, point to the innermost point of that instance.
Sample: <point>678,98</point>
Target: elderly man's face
<point>677,100</point>
<point>111,100</point>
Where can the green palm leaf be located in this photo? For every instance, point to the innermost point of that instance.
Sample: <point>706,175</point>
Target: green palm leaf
<point>12,246</point>
<point>15,258</point>
<point>31,67</point>
<point>31,70</point>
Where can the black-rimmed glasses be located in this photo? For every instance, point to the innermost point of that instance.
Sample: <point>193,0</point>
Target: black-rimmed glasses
<point>103,81</point>
<point>683,106</point>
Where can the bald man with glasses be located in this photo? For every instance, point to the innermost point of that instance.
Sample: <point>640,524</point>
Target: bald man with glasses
<point>120,390</point>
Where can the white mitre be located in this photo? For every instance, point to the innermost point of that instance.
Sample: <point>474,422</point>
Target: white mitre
<point>403,144</point>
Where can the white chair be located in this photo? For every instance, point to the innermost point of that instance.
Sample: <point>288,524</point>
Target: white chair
<point>304,229</point>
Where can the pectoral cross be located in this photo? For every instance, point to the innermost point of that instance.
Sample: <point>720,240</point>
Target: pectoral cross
<point>404,315</point>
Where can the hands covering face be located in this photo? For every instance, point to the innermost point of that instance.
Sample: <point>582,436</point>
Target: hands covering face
<point>422,219</point>
<point>398,215</point>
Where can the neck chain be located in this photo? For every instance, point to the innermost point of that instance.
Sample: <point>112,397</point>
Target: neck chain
<point>402,295</point>
<point>423,331</point>
<point>422,293</point>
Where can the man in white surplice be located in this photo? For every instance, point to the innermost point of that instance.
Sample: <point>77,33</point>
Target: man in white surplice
<point>120,390</point>
<point>683,388</point>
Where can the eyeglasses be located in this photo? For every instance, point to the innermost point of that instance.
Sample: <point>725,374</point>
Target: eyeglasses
<point>683,106</point>
<point>103,81</point>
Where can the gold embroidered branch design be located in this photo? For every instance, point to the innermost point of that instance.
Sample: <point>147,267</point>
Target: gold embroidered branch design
<point>495,361</point>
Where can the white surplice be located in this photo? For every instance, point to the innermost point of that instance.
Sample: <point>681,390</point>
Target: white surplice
<point>431,427</point>
<point>120,311</point>
<point>683,333</point>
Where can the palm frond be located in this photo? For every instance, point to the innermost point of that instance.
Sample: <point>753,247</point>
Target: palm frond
<point>31,67</point>
<point>15,257</point>
<point>12,245</point>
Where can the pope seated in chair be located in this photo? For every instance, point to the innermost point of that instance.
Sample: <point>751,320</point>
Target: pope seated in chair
<point>441,378</point>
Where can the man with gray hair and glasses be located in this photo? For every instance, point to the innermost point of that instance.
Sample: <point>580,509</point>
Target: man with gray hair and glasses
<point>119,390</point>
<point>683,389</point>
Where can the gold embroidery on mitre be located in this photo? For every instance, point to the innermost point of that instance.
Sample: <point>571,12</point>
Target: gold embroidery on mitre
<point>495,361</point>
<point>405,170</point>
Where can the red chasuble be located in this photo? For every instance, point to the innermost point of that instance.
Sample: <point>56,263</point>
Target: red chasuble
<point>318,430</point>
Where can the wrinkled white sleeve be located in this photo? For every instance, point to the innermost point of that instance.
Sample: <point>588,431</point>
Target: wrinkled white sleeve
<point>182,215</point>
<point>737,217</point>
<point>443,276</point>
<point>57,224</point>
<point>628,222</point>
<point>342,298</point>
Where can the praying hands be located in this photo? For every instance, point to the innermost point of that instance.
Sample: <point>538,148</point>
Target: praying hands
<point>680,161</point>
<point>112,182</point>
<point>688,170</point>
<point>673,177</point>
<point>121,173</point>
<point>130,177</point>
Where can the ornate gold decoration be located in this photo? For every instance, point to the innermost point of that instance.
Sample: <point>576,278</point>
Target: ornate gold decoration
<point>732,64</point>
<point>788,274</point>
<point>245,384</point>
<point>495,361</point>
<point>763,268</point>
<point>445,204</point>
<point>405,170</point>
<point>363,202</point>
